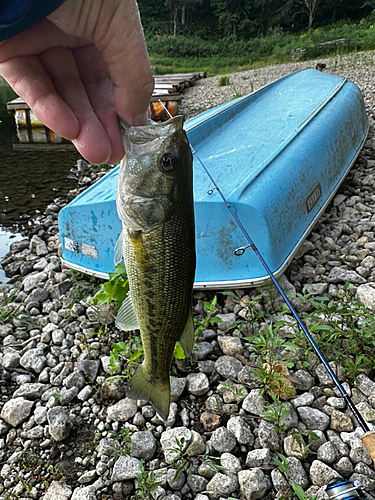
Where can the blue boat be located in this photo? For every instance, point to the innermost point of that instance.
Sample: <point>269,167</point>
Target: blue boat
<point>278,155</point>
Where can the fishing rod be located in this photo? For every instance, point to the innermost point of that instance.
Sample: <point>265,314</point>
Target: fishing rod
<point>368,438</point>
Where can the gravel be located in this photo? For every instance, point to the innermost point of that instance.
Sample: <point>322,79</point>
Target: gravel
<point>66,432</point>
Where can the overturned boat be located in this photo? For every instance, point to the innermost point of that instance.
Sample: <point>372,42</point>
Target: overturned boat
<point>278,155</point>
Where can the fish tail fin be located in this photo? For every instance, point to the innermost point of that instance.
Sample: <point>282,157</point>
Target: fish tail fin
<point>157,392</point>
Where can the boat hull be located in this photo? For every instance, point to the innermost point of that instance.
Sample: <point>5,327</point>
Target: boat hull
<point>278,155</point>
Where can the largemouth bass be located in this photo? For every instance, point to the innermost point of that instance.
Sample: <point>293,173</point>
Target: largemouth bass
<point>155,204</point>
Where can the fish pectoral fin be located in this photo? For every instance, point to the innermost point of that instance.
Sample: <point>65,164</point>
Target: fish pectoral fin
<point>126,319</point>
<point>157,392</point>
<point>118,255</point>
<point>188,338</point>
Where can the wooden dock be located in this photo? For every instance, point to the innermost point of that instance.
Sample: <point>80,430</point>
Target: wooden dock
<point>168,89</point>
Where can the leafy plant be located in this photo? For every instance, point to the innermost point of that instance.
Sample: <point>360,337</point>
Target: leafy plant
<point>115,289</point>
<point>147,482</point>
<point>122,442</point>
<point>131,350</point>
<point>209,308</point>
<point>269,372</point>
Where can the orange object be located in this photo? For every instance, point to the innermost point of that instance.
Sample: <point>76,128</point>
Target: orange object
<point>161,111</point>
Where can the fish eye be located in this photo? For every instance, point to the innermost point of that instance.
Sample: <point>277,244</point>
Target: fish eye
<point>166,163</point>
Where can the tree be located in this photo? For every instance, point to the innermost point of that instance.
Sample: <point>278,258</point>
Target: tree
<point>307,7</point>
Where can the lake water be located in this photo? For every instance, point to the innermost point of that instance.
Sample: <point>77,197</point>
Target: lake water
<point>29,180</point>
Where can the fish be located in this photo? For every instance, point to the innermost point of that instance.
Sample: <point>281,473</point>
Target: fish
<point>157,242</point>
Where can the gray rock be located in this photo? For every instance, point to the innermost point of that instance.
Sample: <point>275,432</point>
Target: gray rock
<point>59,422</point>
<point>313,418</point>
<point>267,435</point>
<point>368,484</point>
<point>67,395</point>
<point>228,367</point>
<point>327,453</point>
<point>198,483</point>
<point>31,391</point>
<point>253,484</point>
<point>33,281</point>
<point>279,482</point>
<point>344,467</point>
<point>261,457</point>
<point>367,412</point>
<point>17,410</point>
<point>143,445</point>
<point>248,377</point>
<point>226,320</point>
<point>58,491</point>
<point>366,385</point>
<point>320,473</point>
<point>169,443</point>
<point>198,383</point>
<point>60,289</point>
<point>175,484</point>
<point>122,411</point>
<point>125,468</point>
<point>222,485</point>
<point>177,387</point>
<point>223,440</point>
<point>337,275</point>
<point>324,376</point>
<point>87,477</point>
<point>254,402</point>
<point>305,399</point>
<point>33,359</point>
<point>40,415</point>
<point>11,359</point>
<point>85,393</point>
<point>231,346</point>
<point>241,430</point>
<point>75,379</point>
<point>230,462</point>
<point>366,295</point>
<point>358,452</point>
<point>90,367</point>
<point>83,493</point>
<point>297,473</point>
<point>113,388</point>
<point>202,350</point>
<point>197,445</point>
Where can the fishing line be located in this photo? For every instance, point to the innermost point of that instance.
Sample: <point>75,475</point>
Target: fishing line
<point>241,251</point>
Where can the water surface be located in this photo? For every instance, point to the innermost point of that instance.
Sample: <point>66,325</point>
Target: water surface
<point>29,180</point>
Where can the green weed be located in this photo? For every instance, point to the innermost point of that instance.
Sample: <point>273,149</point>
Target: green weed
<point>115,289</point>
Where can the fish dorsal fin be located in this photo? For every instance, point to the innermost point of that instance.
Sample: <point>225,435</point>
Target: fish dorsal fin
<point>187,338</point>
<point>126,319</point>
<point>118,255</point>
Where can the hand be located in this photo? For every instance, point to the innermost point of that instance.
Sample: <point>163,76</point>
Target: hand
<point>79,69</point>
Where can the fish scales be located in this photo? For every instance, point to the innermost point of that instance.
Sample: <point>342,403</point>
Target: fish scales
<point>159,252</point>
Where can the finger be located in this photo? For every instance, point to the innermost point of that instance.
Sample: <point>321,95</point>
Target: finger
<point>99,88</point>
<point>92,140</point>
<point>120,38</point>
<point>28,78</point>
<point>37,39</point>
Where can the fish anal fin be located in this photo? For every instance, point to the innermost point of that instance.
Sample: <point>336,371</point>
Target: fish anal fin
<point>152,390</point>
<point>126,319</point>
<point>187,338</point>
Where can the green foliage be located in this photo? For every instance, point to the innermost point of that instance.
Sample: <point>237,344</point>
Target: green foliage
<point>122,442</point>
<point>7,310</point>
<point>265,347</point>
<point>224,81</point>
<point>131,351</point>
<point>147,482</point>
<point>115,289</point>
<point>343,330</point>
<point>208,320</point>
